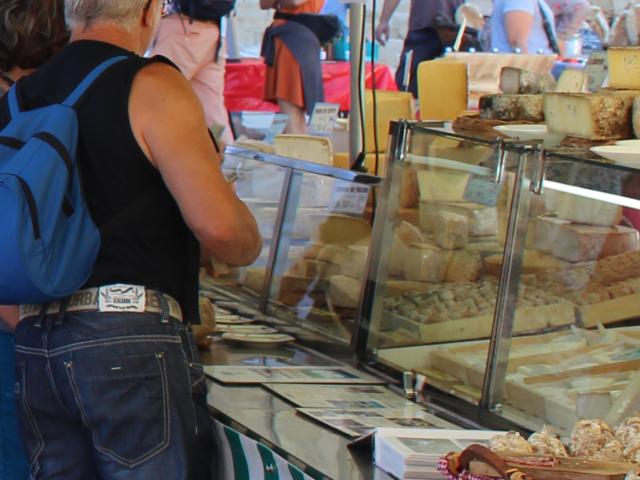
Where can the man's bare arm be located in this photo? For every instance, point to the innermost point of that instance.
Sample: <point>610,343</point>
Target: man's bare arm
<point>168,121</point>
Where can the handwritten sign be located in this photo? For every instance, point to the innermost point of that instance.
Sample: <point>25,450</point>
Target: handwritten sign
<point>323,117</point>
<point>349,198</point>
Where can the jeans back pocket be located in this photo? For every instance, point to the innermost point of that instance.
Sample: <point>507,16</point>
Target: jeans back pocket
<point>124,401</point>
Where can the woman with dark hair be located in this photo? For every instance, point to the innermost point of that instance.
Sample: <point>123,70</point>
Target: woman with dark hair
<point>30,33</point>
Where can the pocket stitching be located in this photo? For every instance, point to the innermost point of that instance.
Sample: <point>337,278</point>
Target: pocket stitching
<point>40,444</point>
<point>166,409</point>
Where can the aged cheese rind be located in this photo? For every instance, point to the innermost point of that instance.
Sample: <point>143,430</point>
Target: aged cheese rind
<point>635,117</point>
<point>482,220</point>
<point>624,68</point>
<point>593,116</point>
<point>512,107</point>
<point>579,243</point>
<point>450,230</point>
<point>344,291</point>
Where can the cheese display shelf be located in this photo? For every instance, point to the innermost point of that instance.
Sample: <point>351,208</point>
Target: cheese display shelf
<point>316,224</point>
<point>506,276</point>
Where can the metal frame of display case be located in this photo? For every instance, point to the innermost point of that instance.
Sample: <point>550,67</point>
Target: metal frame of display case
<point>530,162</point>
<point>288,205</point>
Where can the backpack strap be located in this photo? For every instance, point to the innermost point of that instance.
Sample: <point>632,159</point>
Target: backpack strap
<point>83,88</point>
<point>14,105</point>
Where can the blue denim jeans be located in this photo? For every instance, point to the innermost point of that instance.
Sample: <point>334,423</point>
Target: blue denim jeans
<point>110,396</point>
<point>13,463</point>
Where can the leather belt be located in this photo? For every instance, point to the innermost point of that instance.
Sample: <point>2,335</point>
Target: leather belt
<point>88,300</point>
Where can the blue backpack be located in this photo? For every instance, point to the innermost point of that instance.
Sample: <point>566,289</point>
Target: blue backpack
<point>48,241</point>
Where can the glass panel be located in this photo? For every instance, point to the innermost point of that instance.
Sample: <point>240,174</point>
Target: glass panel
<point>583,250</point>
<point>438,275</point>
<point>320,264</point>
<point>259,186</point>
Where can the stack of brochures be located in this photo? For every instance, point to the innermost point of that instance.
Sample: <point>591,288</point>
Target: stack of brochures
<point>414,453</point>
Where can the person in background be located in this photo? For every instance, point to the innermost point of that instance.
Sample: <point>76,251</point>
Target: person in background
<point>30,33</point>
<point>107,377</point>
<point>523,25</point>
<point>569,16</point>
<point>189,36</point>
<point>422,38</point>
<point>292,54</point>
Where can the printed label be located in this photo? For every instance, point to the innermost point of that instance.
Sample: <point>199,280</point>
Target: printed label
<point>121,298</point>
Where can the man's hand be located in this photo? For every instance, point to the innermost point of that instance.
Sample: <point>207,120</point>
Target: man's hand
<point>382,32</point>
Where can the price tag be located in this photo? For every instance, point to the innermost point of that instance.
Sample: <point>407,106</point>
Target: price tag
<point>323,117</point>
<point>349,198</point>
<point>480,190</point>
<point>597,70</point>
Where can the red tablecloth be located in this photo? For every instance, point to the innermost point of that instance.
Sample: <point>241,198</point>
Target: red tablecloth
<point>244,82</point>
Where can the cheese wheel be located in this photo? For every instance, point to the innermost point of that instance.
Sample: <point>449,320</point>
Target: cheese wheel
<point>512,107</point>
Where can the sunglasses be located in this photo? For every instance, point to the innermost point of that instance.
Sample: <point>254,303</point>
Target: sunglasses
<point>166,6</point>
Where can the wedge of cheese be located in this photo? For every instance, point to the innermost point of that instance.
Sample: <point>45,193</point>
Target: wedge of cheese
<point>442,185</point>
<point>624,67</point>
<point>462,266</point>
<point>594,116</point>
<point>517,80</point>
<point>482,221</point>
<point>404,236</point>
<point>533,261</point>
<point>423,263</point>
<point>304,147</point>
<point>580,243</point>
<point>583,210</point>
<point>337,229</point>
<point>572,81</point>
<point>344,291</point>
<point>512,107</point>
<point>450,230</point>
<point>355,262</point>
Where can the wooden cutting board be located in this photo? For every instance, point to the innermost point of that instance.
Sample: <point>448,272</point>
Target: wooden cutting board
<point>565,469</point>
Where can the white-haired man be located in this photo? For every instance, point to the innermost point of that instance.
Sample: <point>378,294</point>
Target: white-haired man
<point>105,389</point>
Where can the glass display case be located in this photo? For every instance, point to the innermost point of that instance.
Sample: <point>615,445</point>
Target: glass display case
<point>316,224</point>
<point>506,277</point>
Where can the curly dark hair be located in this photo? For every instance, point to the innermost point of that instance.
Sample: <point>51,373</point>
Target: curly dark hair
<point>31,31</point>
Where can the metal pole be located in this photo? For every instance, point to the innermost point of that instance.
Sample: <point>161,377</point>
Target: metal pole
<point>356,16</point>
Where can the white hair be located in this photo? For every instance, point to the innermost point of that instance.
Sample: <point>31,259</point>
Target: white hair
<point>84,12</point>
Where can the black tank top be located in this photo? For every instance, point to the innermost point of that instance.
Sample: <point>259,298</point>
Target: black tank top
<point>145,240</point>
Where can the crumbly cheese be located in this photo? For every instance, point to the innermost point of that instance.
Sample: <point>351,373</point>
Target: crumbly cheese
<point>593,116</point>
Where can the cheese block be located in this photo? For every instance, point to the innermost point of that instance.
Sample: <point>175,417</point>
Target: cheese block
<point>337,229</point>
<point>297,283</point>
<point>325,253</point>
<point>594,116</point>
<point>624,67</point>
<point>462,266</point>
<point>579,243</point>
<point>517,80</point>
<point>304,147</point>
<point>584,210</point>
<point>253,278</point>
<point>442,185</point>
<point>315,268</point>
<point>512,107</point>
<point>256,145</point>
<point>399,287</point>
<point>482,220</point>
<point>423,263</point>
<point>450,230</point>
<point>355,262</point>
<point>443,89</point>
<point>533,261</point>
<point>404,235</point>
<point>344,291</point>
<point>572,81</point>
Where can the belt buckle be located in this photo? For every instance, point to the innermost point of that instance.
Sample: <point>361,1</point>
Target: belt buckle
<point>121,298</point>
